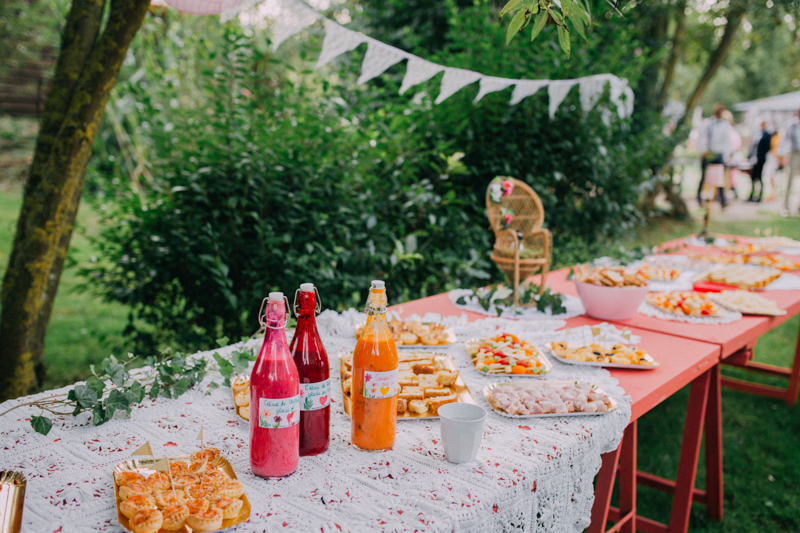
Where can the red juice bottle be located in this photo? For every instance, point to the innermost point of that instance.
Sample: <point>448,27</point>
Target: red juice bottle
<point>314,370</point>
<point>274,399</point>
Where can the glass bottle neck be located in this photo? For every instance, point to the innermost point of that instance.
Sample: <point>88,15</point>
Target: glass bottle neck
<point>376,302</point>
<point>307,305</point>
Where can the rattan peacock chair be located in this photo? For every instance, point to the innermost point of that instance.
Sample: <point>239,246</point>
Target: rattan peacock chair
<point>522,247</point>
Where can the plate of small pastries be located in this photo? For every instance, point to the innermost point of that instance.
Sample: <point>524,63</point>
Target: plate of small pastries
<point>203,494</point>
<point>507,355</point>
<point>747,303</point>
<point>609,276</point>
<point>607,355</point>
<point>426,382</point>
<point>240,387</point>
<point>548,398</point>
<point>414,335</point>
<point>742,276</point>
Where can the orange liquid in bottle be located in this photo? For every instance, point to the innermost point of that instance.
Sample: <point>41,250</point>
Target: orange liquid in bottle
<point>374,389</point>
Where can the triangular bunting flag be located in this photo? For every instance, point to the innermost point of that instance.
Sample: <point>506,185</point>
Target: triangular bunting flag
<point>379,57</point>
<point>295,17</point>
<point>200,437</point>
<point>490,84</point>
<point>338,40</point>
<point>454,80</point>
<point>417,71</point>
<point>591,89</point>
<point>557,91</point>
<point>234,7</point>
<point>145,449</point>
<point>526,88</point>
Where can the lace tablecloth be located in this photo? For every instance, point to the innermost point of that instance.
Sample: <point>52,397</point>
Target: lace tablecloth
<point>530,475</point>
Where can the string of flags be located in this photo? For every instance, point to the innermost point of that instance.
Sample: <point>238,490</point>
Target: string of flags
<point>293,16</point>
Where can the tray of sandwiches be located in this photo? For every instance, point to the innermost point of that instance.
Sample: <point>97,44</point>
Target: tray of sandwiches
<point>742,276</point>
<point>414,335</point>
<point>426,382</point>
<point>615,355</point>
<point>200,493</point>
<point>747,303</point>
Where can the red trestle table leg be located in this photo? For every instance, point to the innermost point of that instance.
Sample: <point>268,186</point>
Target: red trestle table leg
<point>690,451</point>
<point>713,430</point>
<point>604,486</point>
<point>627,480</point>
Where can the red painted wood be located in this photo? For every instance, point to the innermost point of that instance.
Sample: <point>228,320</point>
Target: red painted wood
<point>668,486</point>
<point>602,494</point>
<point>713,434</point>
<point>627,479</point>
<point>644,525</point>
<point>690,450</point>
<point>754,388</point>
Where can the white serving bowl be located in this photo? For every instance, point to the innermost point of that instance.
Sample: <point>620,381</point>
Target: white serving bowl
<point>610,303</point>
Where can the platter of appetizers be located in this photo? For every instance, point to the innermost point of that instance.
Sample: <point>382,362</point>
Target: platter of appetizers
<point>508,356</point>
<point>616,355</point>
<point>414,335</point>
<point>201,493</point>
<point>685,303</point>
<point>548,399</point>
<point>742,276</point>
<point>426,382</point>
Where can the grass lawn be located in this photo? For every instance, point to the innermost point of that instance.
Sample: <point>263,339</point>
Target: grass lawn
<point>83,329</point>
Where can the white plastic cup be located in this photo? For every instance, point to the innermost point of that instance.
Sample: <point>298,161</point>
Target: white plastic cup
<point>462,430</point>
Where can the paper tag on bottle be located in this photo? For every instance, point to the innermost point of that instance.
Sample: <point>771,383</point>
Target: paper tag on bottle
<point>380,384</point>
<point>279,412</point>
<point>315,396</point>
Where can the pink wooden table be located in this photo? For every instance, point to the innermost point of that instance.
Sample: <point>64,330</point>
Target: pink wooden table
<point>683,361</point>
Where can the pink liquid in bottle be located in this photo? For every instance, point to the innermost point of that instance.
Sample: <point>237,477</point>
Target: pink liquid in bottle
<point>274,400</point>
<point>314,371</point>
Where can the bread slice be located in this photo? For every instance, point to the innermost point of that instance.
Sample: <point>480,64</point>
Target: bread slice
<point>406,366</point>
<point>436,403</point>
<point>423,368</point>
<point>347,385</point>
<point>408,380</point>
<point>402,405</point>
<point>414,356</point>
<point>411,393</point>
<point>445,378</point>
<point>428,381</point>
<point>418,406</point>
<point>435,393</point>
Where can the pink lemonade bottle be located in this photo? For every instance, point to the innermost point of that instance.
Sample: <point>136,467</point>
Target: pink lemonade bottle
<point>274,399</point>
<point>314,371</point>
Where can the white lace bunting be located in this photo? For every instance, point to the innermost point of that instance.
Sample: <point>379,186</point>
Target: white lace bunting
<point>379,57</point>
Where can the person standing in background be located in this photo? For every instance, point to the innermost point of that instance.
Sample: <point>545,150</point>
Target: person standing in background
<point>715,143</point>
<point>734,160</point>
<point>790,148</point>
<point>762,143</point>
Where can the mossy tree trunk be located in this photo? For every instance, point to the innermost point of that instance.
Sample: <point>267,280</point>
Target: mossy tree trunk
<point>88,64</point>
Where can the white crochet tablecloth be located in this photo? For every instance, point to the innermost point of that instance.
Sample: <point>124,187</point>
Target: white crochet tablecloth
<point>531,475</point>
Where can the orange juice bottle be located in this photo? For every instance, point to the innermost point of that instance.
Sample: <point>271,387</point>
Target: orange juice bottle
<point>375,388</point>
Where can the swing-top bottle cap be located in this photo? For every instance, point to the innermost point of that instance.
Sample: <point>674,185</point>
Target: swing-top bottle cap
<point>378,284</point>
<point>306,287</point>
<point>276,296</point>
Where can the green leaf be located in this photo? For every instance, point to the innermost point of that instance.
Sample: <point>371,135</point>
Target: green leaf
<point>222,342</point>
<point>225,366</point>
<point>578,23</point>
<point>510,6</point>
<point>41,424</point>
<point>538,24</point>
<point>516,24</point>
<point>117,374</point>
<point>180,388</point>
<point>85,396</point>
<point>563,40</point>
<point>461,300</point>
<point>116,401</point>
<point>135,393</point>
<point>154,390</point>
<point>213,385</point>
<point>98,415</point>
<point>96,385</point>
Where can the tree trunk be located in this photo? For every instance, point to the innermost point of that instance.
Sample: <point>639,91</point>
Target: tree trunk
<point>715,61</point>
<point>86,71</point>
<point>677,42</point>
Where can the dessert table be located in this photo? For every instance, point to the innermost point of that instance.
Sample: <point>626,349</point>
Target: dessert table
<point>531,474</point>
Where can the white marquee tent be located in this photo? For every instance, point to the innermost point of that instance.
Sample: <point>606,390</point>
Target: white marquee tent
<point>775,110</point>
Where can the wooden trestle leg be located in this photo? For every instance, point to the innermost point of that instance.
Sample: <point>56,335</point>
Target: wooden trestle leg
<point>703,396</point>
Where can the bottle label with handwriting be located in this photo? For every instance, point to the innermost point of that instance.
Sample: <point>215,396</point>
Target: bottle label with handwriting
<point>380,384</point>
<point>278,413</point>
<point>315,396</point>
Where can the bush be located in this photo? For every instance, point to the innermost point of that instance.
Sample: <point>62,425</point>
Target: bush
<point>263,175</point>
<point>258,187</point>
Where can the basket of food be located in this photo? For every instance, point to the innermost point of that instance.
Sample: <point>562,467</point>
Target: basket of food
<point>610,293</point>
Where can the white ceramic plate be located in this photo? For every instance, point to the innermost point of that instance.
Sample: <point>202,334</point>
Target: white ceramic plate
<point>472,346</point>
